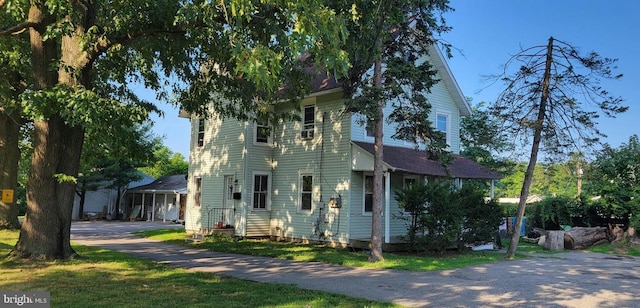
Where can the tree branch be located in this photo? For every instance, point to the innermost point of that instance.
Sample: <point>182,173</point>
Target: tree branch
<point>17,29</point>
<point>104,43</point>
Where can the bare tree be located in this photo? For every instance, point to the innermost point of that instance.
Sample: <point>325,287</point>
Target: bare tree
<point>553,100</point>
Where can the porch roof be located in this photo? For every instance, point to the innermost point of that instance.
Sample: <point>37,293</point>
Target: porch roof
<point>175,184</point>
<point>415,161</point>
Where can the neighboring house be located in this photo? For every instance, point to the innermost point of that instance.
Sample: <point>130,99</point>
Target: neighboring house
<point>313,179</point>
<point>163,199</point>
<point>102,202</point>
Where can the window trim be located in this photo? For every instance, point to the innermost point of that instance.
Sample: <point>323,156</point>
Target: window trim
<point>447,116</point>
<point>200,132</point>
<point>256,127</point>
<point>364,194</point>
<point>301,191</point>
<point>268,190</point>
<point>406,177</point>
<point>197,195</point>
<point>307,129</point>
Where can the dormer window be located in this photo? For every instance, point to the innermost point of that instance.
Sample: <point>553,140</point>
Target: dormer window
<point>308,122</point>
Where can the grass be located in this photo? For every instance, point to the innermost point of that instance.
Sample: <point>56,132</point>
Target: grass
<point>619,249</point>
<point>103,278</point>
<point>320,253</point>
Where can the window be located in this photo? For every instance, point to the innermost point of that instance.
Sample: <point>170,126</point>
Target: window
<point>262,133</point>
<point>369,129</point>
<point>306,192</point>
<point>368,193</point>
<point>409,181</point>
<point>442,125</point>
<point>200,132</point>
<point>308,122</point>
<point>260,191</point>
<point>198,193</point>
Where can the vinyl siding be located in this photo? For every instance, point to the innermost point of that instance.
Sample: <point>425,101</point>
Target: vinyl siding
<point>441,101</point>
<point>293,156</point>
<point>222,154</point>
<point>360,223</point>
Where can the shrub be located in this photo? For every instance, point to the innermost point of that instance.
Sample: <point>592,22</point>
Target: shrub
<point>443,217</point>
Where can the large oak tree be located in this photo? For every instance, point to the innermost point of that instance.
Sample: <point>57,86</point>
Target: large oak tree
<point>84,55</point>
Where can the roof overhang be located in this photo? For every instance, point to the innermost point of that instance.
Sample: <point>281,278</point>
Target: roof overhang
<point>399,159</point>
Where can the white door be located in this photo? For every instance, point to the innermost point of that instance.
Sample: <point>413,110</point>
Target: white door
<point>227,198</point>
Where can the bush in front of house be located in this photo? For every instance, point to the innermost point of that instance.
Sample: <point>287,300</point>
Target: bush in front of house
<point>444,217</point>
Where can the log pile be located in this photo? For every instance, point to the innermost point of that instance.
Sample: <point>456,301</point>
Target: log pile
<point>585,237</point>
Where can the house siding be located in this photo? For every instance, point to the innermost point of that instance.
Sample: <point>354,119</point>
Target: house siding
<point>326,158</point>
<point>360,222</point>
<point>221,154</point>
<point>441,101</point>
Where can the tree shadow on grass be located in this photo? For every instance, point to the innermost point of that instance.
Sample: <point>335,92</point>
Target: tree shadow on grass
<point>104,278</point>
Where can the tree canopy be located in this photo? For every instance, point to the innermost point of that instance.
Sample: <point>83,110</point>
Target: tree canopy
<point>390,67</point>
<point>84,57</point>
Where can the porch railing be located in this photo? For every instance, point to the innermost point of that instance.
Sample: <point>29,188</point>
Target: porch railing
<point>220,218</point>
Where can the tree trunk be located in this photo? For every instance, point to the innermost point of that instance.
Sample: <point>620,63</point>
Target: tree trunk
<point>583,237</point>
<point>537,137</point>
<point>9,159</point>
<point>378,164</point>
<point>45,233</point>
<point>554,240</point>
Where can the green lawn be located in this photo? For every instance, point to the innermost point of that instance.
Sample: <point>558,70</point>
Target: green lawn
<point>103,278</point>
<point>319,253</point>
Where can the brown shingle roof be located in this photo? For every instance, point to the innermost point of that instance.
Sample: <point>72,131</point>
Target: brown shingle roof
<point>415,161</point>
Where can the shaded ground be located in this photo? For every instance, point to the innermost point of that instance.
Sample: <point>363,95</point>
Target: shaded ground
<point>571,279</point>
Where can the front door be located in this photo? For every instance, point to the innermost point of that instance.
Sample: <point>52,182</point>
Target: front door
<point>227,203</point>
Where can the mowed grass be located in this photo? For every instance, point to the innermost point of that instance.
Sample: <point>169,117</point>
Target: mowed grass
<point>103,278</point>
<point>320,253</point>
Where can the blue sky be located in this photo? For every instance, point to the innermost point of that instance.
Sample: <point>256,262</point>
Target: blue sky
<point>487,32</point>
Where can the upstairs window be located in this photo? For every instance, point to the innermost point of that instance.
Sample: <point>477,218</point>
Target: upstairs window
<point>262,133</point>
<point>369,129</point>
<point>200,132</point>
<point>308,122</point>
<point>442,125</point>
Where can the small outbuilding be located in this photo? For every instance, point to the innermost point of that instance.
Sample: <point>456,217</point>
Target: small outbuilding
<point>163,199</point>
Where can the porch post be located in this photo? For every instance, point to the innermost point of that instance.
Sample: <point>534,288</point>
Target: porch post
<point>387,213</point>
<point>142,210</point>
<point>153,208</point>
<point>491,192</point>
<point>164,216</point>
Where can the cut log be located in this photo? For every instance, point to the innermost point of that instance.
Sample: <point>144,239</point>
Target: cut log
<point>585,237</point>
<point>554,240</point>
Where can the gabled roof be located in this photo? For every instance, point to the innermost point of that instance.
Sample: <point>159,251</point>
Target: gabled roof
<point>415,161</point>
<point>164,184</point>
<point>322,82</point>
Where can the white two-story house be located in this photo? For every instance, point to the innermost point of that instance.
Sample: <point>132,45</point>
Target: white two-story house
<point>313,179</point>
